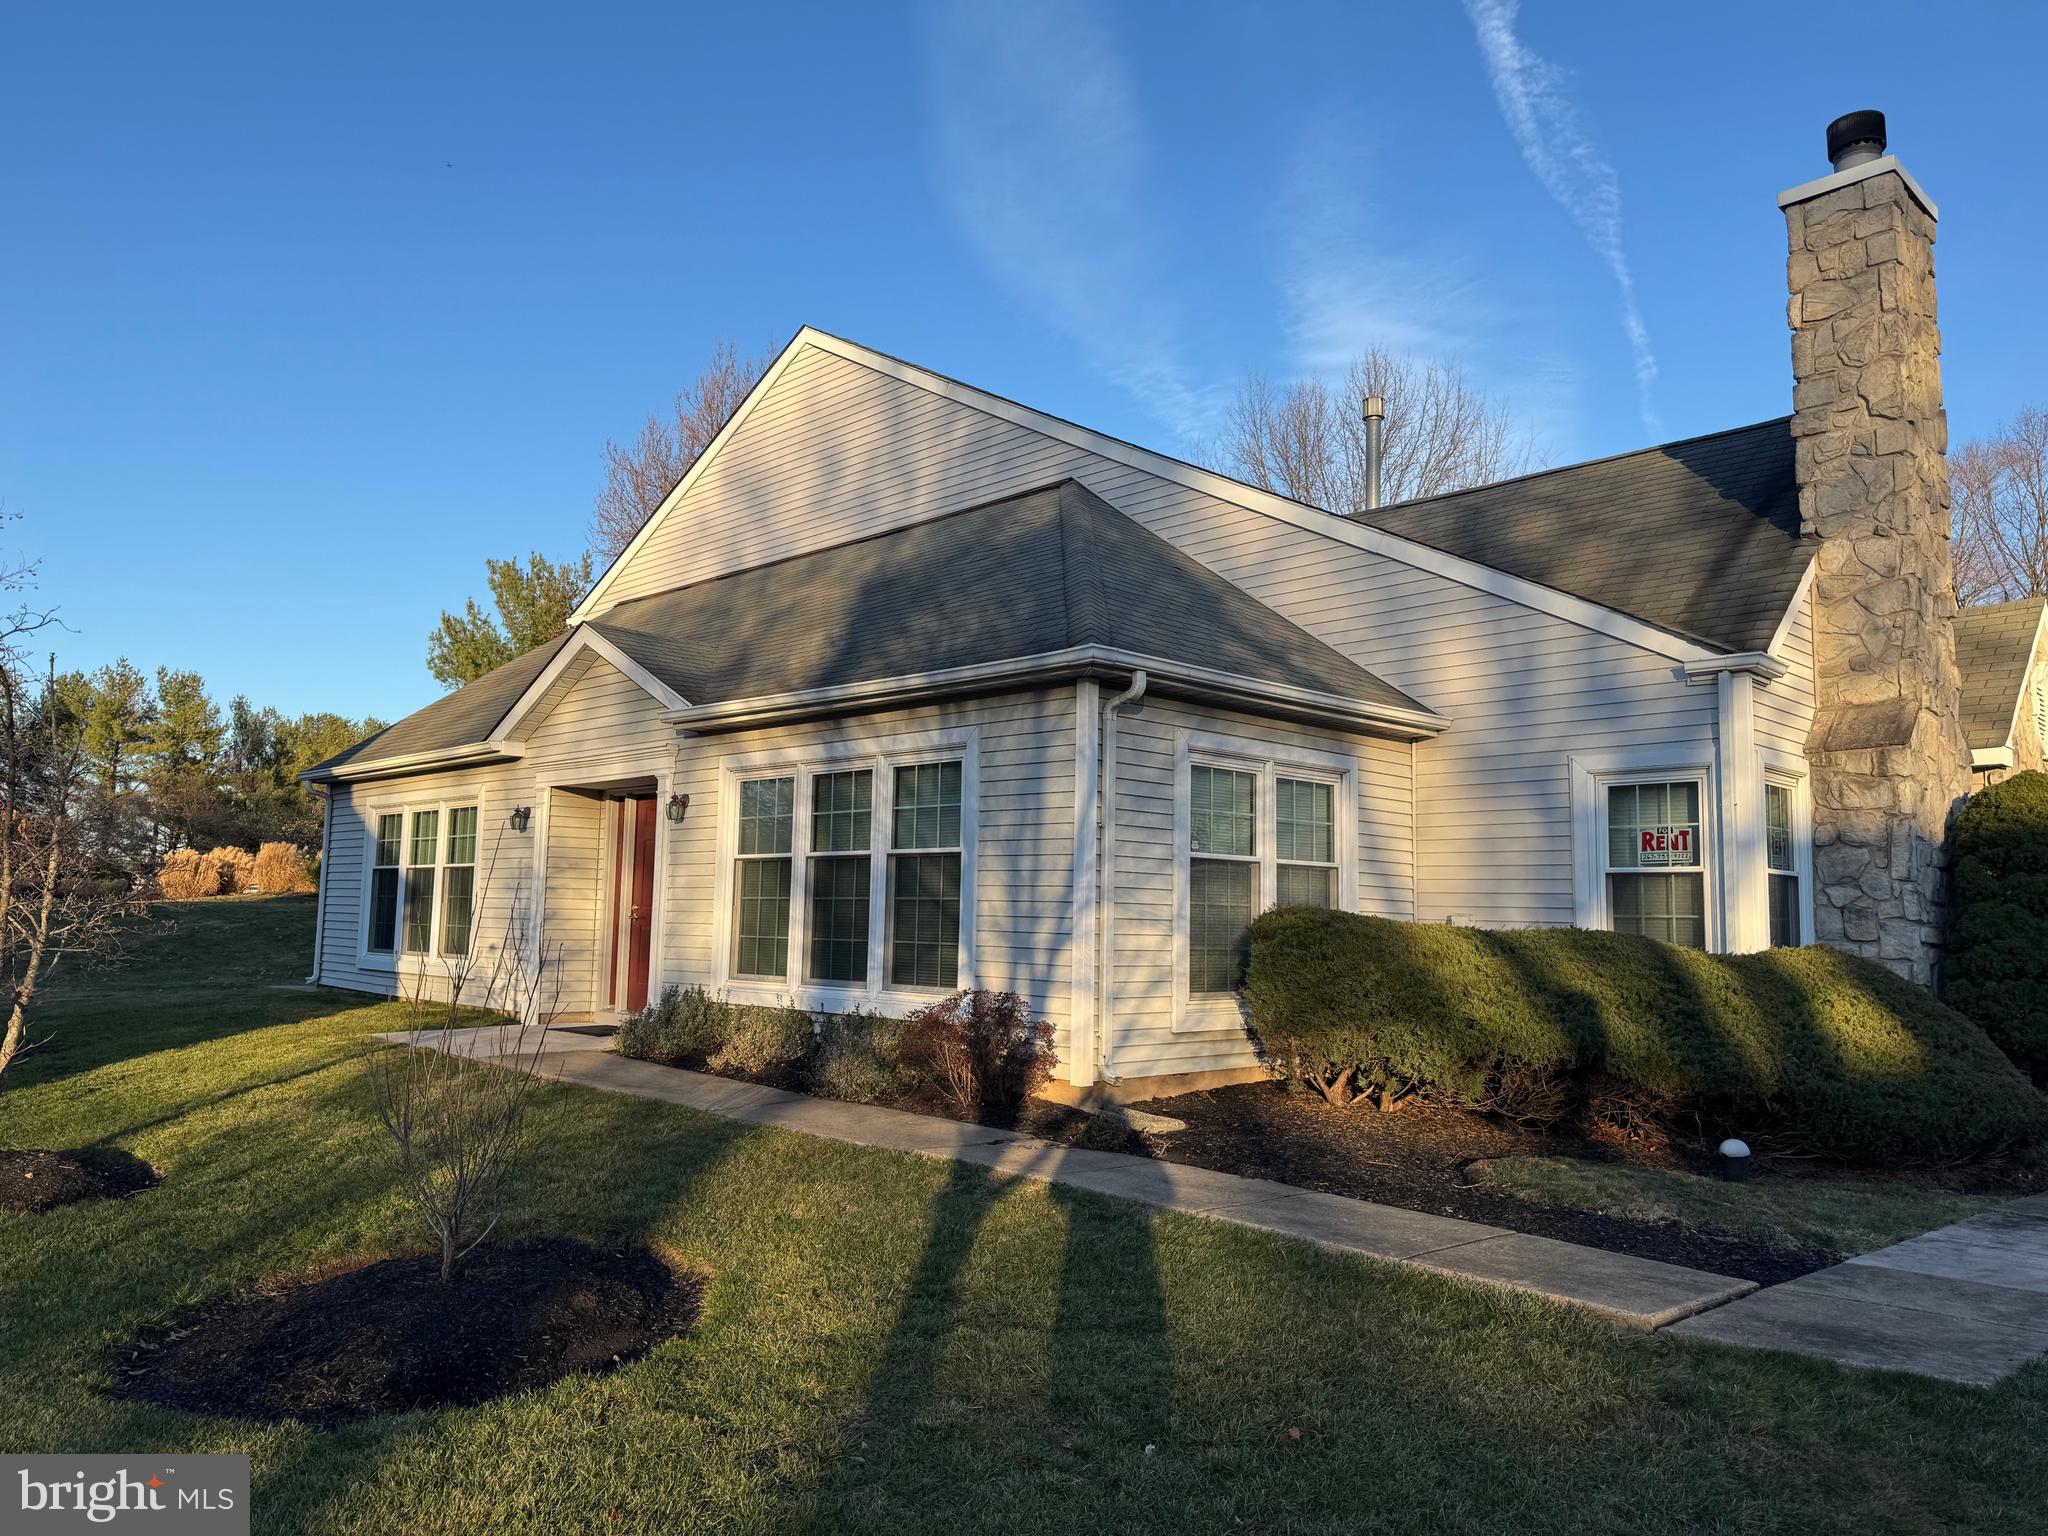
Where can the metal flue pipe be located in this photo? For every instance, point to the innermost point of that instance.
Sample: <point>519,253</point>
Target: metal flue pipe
<point>1375,425</point>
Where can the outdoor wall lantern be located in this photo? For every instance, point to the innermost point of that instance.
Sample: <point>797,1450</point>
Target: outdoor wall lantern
<point>678,807</point>
<point>521,815</point>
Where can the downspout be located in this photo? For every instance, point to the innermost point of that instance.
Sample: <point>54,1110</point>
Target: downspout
<point>320,880</point>
<point>1105,979</point>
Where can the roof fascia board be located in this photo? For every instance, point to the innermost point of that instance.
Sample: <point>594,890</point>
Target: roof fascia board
<point>1791,615</point>
<point>1074,661</point>
<point>1469,573</point>
<point>417,762</point>
<point>593,597</point>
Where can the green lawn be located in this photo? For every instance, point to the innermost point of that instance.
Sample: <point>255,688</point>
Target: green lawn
<point>896,1345</point>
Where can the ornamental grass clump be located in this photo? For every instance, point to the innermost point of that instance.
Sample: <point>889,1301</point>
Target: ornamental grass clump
<point>1825,1051</point>
<point>282,869</point>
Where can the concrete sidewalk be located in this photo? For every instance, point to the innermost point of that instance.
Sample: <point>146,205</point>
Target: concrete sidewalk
<point>1638,1293</point>
<point>1967,1302</point>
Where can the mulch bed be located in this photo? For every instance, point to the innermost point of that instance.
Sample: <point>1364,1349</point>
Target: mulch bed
<point>1417,1158</point>
<point>388,1337</point>
<point>35,1180</point>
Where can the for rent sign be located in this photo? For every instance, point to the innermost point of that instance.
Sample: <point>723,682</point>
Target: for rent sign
<point>1669,845</point>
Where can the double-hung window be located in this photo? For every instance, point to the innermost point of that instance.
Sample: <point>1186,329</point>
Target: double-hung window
<point>924,876</point>
<point>1223,875</point>
<point>1305,842</point>
<point>842,829</point>
<point>384,883</point>
<point>422,897</point>
<point>1656,880</point>
<point>1783,866</point>
<point>762,878</point>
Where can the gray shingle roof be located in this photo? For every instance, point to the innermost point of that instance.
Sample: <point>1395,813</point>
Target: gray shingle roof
<point>1700,537</point>
<point>1993,645</point>
<point>463,718</point>
<point>1027,575</point>
<point>1032,574</point>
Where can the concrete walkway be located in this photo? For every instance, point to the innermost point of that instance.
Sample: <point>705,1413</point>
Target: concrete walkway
<point>1638,1293</point>
<point>1966,1303</point>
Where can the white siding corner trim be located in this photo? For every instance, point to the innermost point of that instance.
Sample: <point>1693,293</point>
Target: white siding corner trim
<point>1226,1013</point>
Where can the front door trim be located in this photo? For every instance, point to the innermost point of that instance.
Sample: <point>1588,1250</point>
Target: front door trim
<point>601,776</point>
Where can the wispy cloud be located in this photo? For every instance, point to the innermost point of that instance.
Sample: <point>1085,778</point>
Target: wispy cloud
<point>1560,150</point>
<point>1040,154</point>
<point>1350,276</point>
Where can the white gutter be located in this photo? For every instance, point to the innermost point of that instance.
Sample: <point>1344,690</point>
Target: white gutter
<point>1992,757</point>
<point>1059,666</point>
<point>1105,984</point>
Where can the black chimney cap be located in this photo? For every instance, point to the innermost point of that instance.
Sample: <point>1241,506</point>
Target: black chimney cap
<point>1852,129</point>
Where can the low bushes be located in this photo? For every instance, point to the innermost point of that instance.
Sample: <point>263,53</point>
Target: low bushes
<point>980,1050</point>
<point>282,869</point>
<point>1831,1051</point>
<point>983,1048</point>
<point>1997,964</point>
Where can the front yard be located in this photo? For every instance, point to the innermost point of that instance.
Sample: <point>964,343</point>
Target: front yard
<point>892,1344</point>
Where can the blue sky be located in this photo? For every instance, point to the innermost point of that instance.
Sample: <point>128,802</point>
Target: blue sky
<point>305,311</point>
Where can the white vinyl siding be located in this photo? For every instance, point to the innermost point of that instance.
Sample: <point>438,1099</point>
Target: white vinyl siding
<point>837,450</point>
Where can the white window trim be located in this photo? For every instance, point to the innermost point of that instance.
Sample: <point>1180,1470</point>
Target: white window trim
<point>432,962</point>
<point>881,756</point>
<point>1789,772</point>
<point>1591,775</point>
<point>1222,1013</point>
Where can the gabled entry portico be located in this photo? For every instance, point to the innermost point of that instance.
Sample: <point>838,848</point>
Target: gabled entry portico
<point>602,844</point>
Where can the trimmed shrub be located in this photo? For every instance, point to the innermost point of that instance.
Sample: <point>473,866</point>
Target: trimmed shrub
<point>857,1056</point>
<point>282,869</point>
<point>983,1049</point>
<point>684,1024</point>
<point>1996,969</point>
<point>1837,1053</point>
<point>765,1038</point>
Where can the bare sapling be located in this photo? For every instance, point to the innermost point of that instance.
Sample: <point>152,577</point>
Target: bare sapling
<point>454,1099</point>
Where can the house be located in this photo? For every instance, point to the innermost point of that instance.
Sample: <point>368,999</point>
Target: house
<point>2005,687</point>
<point>908,687</point>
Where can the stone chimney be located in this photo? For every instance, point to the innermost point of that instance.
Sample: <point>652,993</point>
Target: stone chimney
<point>1887,753</point>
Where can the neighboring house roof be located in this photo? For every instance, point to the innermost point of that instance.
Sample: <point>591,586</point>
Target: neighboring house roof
<point>1994,647</point>
<point>466,717</point>
<point>1699,537</point>
<point>1749,512</point>
<point>1043,574</point>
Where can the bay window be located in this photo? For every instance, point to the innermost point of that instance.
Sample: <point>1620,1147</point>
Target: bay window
<point>1655,868</point>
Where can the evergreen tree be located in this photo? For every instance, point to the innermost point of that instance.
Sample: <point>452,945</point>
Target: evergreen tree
<point>533,605</point>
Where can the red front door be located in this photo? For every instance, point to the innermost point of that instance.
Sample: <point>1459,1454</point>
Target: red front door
<point>632,924</point>
<point>640,917</point>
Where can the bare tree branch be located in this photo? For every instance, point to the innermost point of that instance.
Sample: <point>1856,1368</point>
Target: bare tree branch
<point>1998,488</point>
<point>1307,439</point>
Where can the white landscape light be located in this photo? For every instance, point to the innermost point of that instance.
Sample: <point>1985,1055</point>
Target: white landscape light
<point>1734,1160</point>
